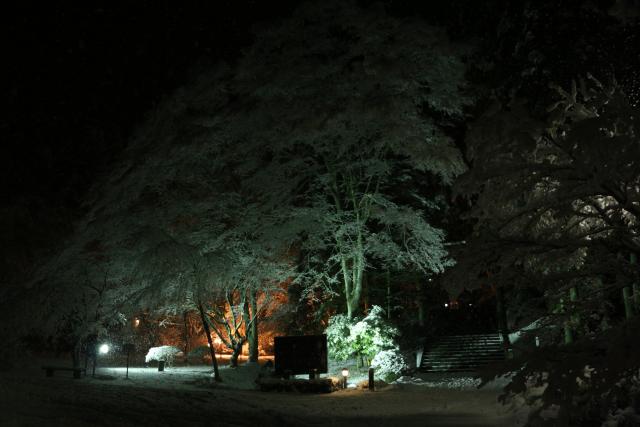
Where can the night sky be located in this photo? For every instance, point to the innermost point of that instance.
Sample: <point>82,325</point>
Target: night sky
<point>78,78</point>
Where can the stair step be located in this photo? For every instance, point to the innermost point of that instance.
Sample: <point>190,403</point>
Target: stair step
<point>465,343</point>
<point>470,337</point>
<point>453,360</point>
<point>448,370</point>
<point>465,348</point>
<point>454,366</point>
<point>445,357</point>
<point>462,353</point>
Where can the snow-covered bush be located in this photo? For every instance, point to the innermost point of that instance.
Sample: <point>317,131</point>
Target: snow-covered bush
<point>389,364</point>
<point>164,353</point>
<point>338,335</point>
<point>360,338</point>
<point>373,334</point>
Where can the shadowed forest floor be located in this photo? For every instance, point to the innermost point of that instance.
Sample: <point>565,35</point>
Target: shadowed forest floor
<point>185,396</point>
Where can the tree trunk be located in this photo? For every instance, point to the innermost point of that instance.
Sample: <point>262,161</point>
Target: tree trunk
<point>628,302</point>
<point>252,333</point>
<point>575,315</point>
<point>365,292</point>
<point>205,324</point>
<point>633,260</point>
<point>420,304</point>
<point>352,277</point>
<point>237,349</point>
<point>388,279</point>
<point>347,287</point>
<point>75,354</point>
<point>185,320</point>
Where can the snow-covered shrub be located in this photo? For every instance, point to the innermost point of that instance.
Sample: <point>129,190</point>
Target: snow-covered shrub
<point>360,338</point>
<point>338,336</point>
<point>373,334</point>
<point>389,364</point>
<point>165,353</point>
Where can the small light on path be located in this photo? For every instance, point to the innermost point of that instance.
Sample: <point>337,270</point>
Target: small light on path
<point>104,349</point>
<point>345,374</point>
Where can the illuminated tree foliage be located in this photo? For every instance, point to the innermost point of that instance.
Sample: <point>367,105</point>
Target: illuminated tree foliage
<point>331,147</point>
<point>353,148</point>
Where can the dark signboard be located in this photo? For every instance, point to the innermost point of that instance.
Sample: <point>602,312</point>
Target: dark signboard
<point>300,354</point>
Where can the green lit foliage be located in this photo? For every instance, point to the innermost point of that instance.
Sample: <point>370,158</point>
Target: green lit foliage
<point>360,338</point>
<point>338,337</point>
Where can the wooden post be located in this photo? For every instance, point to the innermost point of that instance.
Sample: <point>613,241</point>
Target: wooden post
<point>128,348</point>
<point>371,380</point>
<point>568,333</point>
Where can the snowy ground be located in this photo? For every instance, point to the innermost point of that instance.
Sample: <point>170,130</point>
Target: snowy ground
<point>187,396</point>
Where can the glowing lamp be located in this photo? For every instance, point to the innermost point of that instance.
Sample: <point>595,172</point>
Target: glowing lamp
<point>104,349</point>
<point>446,304</point>
<point>345,374</point>
<point>137,322</point>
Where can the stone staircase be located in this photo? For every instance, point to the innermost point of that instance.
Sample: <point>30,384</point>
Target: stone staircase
<point>461,353</point>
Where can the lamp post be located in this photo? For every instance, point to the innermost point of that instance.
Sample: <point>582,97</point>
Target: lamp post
<point>371,380</point>
<point>102,349</point>
<point>345,374</point>
<point>128,348</point>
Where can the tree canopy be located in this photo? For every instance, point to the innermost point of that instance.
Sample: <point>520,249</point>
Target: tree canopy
<point>335,145</point>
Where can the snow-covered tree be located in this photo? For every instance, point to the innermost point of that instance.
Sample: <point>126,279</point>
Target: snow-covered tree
<point>329,135</point>
<point>341,138</point>
<point>243,290</point>
<point>558,200</point>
